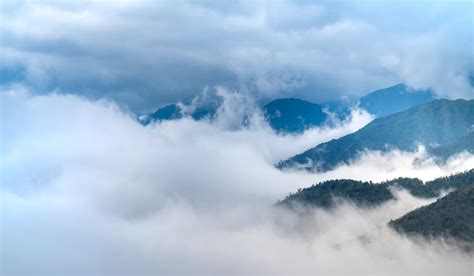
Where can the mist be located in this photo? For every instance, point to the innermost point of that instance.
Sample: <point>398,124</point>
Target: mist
<point>86,189</point>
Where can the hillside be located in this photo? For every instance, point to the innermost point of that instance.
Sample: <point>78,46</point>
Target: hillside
<point>394,99</point>
<point>382,102</point>
<point>326,194</point>
<point>368,194</point>
<point>465,143</point>
<point>169,112</point>
<point>174,112</point>
<point>449,217</point>
<point>435,124</point>
<point>293,115</point>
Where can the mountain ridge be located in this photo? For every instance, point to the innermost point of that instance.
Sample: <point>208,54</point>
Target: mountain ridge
<point>367,194</point>
<point>393,99</point>
<point>440,122</point>
<point>294,115</point>
<point>450,217</point>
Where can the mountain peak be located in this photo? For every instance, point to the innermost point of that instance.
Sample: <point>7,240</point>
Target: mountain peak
<point>394,99</point>
<point>294,115</point>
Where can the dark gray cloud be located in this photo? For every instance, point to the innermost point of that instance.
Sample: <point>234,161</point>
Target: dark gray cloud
<point>145,54</point>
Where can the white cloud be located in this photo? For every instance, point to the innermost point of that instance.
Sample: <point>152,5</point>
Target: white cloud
<point>64,131</point>
<point>85,185</point>
<point>381,166</point>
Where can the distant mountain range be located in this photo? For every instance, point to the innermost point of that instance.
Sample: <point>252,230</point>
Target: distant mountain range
<point>444,127</point>
<point>450,217</point>
<point>291,115</point>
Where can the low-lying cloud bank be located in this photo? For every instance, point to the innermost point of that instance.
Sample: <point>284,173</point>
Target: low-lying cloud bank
<point>86,189</point>
<point>382,166</point>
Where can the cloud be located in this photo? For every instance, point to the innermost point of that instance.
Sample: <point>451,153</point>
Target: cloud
<point>85,185</point>
<point>144,54</point>
<point>64,130</point>
<point>395,163</point>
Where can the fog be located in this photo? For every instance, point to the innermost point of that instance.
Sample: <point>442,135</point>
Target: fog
<point>85,189</point>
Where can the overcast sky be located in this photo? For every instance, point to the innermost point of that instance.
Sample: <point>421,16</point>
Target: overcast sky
<point>146,54</point>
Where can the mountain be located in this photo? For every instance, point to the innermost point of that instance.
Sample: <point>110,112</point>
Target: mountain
<point>169,112</point>
<point>284,115</point>
<point>325,195</point>
<point>293,115</point>
<point>382,102</point>
<point>465,143</point>
<point>174,112</point>
<point>437,186</point>
<point>449,217</point>
<point>367,194</point>
<point>296,115</point>
<point>394,99</point>
<point>435,124</point>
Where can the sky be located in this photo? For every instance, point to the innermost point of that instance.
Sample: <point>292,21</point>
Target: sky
<point>86,189</point>
<point>145,54</point>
